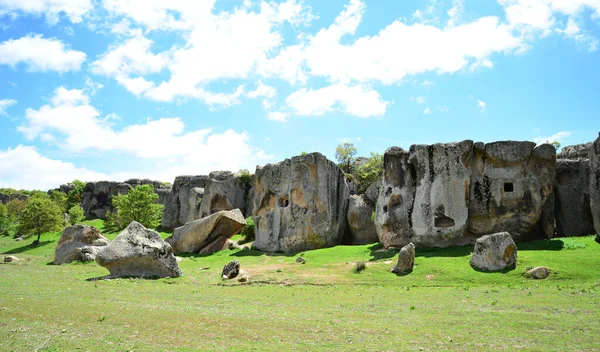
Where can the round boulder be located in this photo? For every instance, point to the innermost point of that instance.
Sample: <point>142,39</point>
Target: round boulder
<point>494,252</point>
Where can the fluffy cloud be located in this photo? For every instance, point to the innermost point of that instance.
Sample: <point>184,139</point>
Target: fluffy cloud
<point>427,111</point>
<point>74,10</point>
<point>70,118</point>
<point>481,105</point>
<point>357,100</point>
<point>5,104</point>
<point>419,100</point>
<point>40,54</point>
<point>23,165</point>
<point>557,137</point>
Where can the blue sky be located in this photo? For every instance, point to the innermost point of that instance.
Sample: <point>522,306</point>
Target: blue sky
<point>113,89</point>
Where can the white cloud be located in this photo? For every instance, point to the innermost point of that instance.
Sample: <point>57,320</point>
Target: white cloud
<point>557,137</point>
<point>277,116</point>
<point>427,111</point>
<point>443,108</point>
<point>5,104</point>
<point>358,100</point>
<point>419,100</point>
<point>40,54</point>
<point>481,105</point>
<point>74,10</point>
<point>23,165</point>
<point>262,90</point>
<point>70,119</point>
<point>582,38</point>
<point>427,83</point>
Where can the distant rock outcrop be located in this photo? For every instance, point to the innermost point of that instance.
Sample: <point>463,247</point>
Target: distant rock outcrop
<point>449,194</point>
<point>138,252</point>
<point>97,196</point>
<point>299,204</point>
<point>577,151</point>
<point>183,203</point>
<point>572,205</point>
<point>362,228</point>
<point>225,191</point>
<point>6,198</point>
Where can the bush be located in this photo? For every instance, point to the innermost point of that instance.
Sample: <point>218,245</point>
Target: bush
<point>41,215</point>
<point>344,153</point>
<point>75,214</point>
<point>369,172</point>
<point>359,266</point>
<point>137,205</point>
<point>245,178</point>
<point>248,230</point>
<point>76,195</point>
<point>60,199</point>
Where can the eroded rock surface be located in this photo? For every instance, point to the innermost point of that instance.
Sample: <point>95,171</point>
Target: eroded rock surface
<point>183,203</point>
<point>595,183</point>
<point>138,252</point>
<point>577,151</point>
<point>195,235</point>
<point>300,204</point>
<point>450,194</point>
<point>224,191</point>
<point>494,252</point>
<point>572,205</point>
<point>6,198</point>
<point>231,270</point>
<point>362,228</point>
<point>79,243</point>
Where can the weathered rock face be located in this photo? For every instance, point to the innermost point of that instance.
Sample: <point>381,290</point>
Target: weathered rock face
<point>195,235</point>
<point>138,252</point>
<point>231,270</point>
<point>299,204</point>
<point>577,151</point>
<point>372,192</point>
<point>79,243</point>
<point>97,196</point>
<point>362,228</point>
<point>224,191</point>
<point>494,252</point>
<point>510,186</point>
<point>449,194</point>
<point>217,245</point>
<point>572,205</point>
<point>406,260</point>
<point>595,183</point>
<point>183,204</point>
<point>6,198</point>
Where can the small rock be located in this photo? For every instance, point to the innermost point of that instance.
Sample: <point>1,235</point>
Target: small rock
<point>243,276</point>
<point>20,238</point>
<point>539,272</point>
<point>494,252</point>
<point>10,259</point>
<point>300,260</point>
<point>178,259</point>
<point>231,270</point>
<point>406,260</point>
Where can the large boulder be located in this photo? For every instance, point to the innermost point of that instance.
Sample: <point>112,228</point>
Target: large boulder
<point>572,205</point>
<point>362,229</point>
<point>138,252</point>
<point>197,234</point>
<point>495,252</point>
<point>511,190</point>
<point>225,191</point>
<point>79,243</point>
<point>595,183</point>
<point>406,260</point>
<point>300,204</point>
<point>183,204</point>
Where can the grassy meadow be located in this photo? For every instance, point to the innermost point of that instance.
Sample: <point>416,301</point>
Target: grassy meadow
<point>321,305</point>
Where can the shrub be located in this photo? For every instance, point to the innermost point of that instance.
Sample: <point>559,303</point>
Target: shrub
<point>60,199</point>
<point>137,205</point>
<point>344,153</point>
<point>369,172</point>
<point>41,215</point>
<point>76,195</point>
<point>248,230</point>
<point>359,266</point>
<point>75,214</point>
<point>245,178</point>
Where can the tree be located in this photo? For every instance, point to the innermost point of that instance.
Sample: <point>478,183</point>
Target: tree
<point>5,220</point>
<point>344,153</point>
<point>60,199</point>
<point>75,214</point>
<point>139,205</point>
<point>16,207</point>
<point>369,172</point>
<point>556,145</point>
<point>41,215</point>
<point>76,195</point>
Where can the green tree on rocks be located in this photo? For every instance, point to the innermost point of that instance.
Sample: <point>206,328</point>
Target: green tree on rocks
<point>137,205</point>
<point>41,215</point>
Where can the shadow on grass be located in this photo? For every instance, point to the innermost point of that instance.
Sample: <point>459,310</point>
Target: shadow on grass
<point>597,239</point>
<point>541,245</point>
<point>377,252</point>
<point>503,271</point>
<point>27,247</point>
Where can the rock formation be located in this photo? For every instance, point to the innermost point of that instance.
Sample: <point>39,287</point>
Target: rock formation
<point>574,152</point>
<point>79,243</point>
<point>183,203</point>
<point>224,191</point>
<point>595,183</point>
<point>231,270</point>
<point>299,204</point>
<point>6,198</point>
<point>449,194</point>
<point>406,260</point>
<point>138,252</point>
<point>362,228</point>
<point>572,198</point>
<point>97,196</point>
<point>494,252</point>
<point>195,235</point>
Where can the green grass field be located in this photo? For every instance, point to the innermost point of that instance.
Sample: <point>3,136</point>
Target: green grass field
<point>321,305</point>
